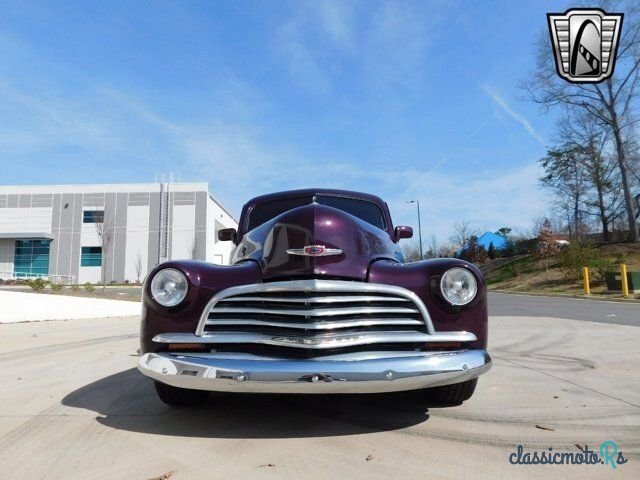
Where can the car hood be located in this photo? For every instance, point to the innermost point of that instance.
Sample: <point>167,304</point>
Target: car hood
<point>314,224</point>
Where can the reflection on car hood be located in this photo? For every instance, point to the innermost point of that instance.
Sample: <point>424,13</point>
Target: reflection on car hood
<point>314,224</point>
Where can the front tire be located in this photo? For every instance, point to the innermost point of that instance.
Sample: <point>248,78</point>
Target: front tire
<point>453,394</point>
<point>180,397</point>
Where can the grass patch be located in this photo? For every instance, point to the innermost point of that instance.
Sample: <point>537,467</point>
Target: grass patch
<point>526,274</point>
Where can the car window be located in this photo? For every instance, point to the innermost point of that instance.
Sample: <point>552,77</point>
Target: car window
<point>363,209</point>
<point>264,212</point>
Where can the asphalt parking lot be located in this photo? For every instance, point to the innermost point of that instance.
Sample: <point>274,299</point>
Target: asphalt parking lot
<point>74,407</point>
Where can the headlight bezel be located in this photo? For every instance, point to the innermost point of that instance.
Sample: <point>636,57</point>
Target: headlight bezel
<point>155,289</point>
<point>473,282</point>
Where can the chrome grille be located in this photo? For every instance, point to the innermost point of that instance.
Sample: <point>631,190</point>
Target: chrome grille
<point>316,314</point>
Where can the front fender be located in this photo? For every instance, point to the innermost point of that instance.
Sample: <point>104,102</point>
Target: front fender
<point>423,278</point>
<point>205,280</point>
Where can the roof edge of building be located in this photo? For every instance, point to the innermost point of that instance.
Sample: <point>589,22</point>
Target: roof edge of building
<point>98,187</point>
<point>224,209</point>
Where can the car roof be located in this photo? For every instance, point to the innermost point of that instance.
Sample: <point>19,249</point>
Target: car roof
<point>304,192</point>
<point>315,191</point>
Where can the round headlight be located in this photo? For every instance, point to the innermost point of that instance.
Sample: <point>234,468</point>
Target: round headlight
<point>169,287</point>
<point>458,286</point>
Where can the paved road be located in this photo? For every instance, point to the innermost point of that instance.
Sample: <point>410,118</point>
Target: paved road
<point>506,304</point>
<point>75,407</point>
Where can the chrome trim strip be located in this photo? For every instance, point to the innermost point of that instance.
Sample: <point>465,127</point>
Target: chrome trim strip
<point>316,341</point>
<point>315,285</point>
<point>314,300</point>
<point>325,251</point>
<point>390,373</point>
<point>324,325</point>
<point>324,312</point>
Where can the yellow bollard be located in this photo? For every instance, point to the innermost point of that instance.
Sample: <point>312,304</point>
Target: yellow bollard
<point>625,281</point>
<point>585,277</point>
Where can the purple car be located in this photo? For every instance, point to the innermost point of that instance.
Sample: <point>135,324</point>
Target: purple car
<point>318,299</point>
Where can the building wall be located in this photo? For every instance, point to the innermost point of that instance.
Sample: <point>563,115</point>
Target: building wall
<point>183,232</point>
<point>217,219</point>
<point>139,214</point>
<point>7,249</point>
<point>25,219</point>
<point>137,246</point>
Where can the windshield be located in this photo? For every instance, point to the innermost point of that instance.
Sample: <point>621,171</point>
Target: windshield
<point>363,209</point>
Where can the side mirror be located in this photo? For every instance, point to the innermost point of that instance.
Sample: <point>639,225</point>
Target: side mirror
<point>227,234</point>
<point>403,232</point>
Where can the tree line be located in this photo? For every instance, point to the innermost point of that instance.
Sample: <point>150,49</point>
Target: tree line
<point>592,168</point>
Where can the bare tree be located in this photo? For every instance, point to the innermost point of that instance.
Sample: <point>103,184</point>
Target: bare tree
<point>432,247</point>
<point>610,102</point>
<point>138,267</point>
<point>462,233</point>
<point>106,233</point>
<point>603,199</point>
<point>582,176</point>
<point>411,252</point>
<point>547,246</point>
<point>446,250</point>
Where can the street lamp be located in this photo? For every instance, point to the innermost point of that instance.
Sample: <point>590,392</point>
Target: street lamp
<point>417,202</point>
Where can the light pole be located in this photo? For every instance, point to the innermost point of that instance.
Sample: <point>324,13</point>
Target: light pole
<point>417,202</point>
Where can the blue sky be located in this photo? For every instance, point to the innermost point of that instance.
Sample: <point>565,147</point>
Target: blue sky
<point>408,100</point>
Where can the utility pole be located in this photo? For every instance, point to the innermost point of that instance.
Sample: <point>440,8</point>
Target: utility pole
<point>417,202</point>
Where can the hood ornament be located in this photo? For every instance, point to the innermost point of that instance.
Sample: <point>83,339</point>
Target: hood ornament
<point>314,251</point>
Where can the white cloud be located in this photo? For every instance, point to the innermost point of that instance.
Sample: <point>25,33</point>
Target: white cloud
<point>396,43</point>
<point>301,61</point>
<point>312,38</point>
<point>240,159</point>
<point>491,201</point>
<point>385,44</point>
<point>336,19</point>
<point>508,109</point>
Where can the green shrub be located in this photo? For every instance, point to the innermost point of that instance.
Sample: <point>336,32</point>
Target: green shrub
<point>600,267</point>
<point>37,284</point>
<point>576,256</point>
<point>89,287</point>
<point>56,287</point>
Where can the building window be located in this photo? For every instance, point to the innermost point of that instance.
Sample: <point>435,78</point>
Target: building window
<point>31,258</point>
<point>91,257</point>
<point>93,216</point>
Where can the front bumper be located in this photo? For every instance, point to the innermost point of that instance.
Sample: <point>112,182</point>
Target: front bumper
<point>374,372</point>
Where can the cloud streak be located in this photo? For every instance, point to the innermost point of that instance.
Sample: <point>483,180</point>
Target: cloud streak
<point>508,109</point>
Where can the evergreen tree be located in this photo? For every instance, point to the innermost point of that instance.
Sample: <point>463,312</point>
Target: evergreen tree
<point>492,251</point>
<point>474,252</point>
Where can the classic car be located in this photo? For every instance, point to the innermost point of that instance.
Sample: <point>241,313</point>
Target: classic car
<point>317,300</point>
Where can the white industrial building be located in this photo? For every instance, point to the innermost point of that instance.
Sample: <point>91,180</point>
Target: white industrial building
<point>68,232</point>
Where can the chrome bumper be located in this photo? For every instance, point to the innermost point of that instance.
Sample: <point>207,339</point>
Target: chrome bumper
<point>373,372</point>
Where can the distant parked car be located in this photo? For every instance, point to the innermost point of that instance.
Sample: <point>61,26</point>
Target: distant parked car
<point>318,299</point>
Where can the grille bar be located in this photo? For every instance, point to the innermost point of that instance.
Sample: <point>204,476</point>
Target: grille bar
<point>324,312</point>
<point>324,325</point>
<point>314,300</point>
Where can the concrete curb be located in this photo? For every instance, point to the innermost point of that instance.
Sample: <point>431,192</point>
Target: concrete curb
<point>567,295</point>
<point>26,307</point>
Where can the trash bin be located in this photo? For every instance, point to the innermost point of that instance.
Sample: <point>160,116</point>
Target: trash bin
<point>614,282</point>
